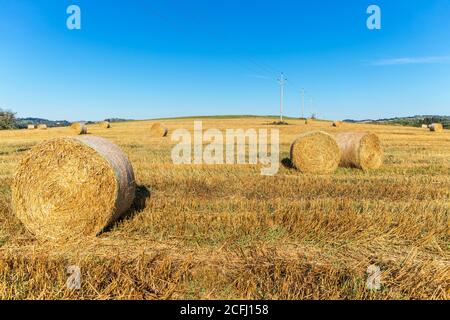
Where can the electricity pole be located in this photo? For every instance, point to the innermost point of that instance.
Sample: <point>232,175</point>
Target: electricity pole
<point>282,82</point>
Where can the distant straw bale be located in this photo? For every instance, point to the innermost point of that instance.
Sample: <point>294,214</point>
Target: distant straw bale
<point>337,123</point>
<point>436,127</point>
<point>77,191</point>
<point>79,128</point>
<point>104,124</point>
<point>42,127</point>
<point>158,130</point>
<point>315,152</point>
<point>425,126</point>
<point>360,150</point>
<point>31,127</point>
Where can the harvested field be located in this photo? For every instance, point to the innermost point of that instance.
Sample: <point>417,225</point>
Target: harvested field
<point>227,232</point>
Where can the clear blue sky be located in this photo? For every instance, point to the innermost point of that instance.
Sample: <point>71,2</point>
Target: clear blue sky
<point>143,59</point>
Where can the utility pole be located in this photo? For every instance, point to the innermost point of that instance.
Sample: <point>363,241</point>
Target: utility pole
<point>303,103</point>
<point>282,82</point>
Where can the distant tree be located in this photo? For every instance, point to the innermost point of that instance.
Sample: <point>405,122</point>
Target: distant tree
<point>7,119</point>
<point>313,116</point>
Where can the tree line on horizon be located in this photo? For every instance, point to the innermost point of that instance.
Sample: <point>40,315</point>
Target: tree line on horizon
<point>8,121</point>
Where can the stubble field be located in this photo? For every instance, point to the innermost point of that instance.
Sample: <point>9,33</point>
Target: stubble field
<point>227,232</point>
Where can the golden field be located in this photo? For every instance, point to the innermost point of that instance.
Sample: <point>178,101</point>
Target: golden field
<point>227,232</point>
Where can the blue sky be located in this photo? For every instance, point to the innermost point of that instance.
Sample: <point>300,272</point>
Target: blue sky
<point>143,59</point>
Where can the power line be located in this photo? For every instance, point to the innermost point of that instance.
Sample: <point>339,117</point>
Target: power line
<point>264,66</point>
<point>262,69</point>
<point>257,67</point>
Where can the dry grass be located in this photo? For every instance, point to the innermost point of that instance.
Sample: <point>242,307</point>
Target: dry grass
<point>228,232</point>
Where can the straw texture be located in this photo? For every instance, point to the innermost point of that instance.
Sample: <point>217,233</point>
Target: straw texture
<point>360,150</point>
<point>79,128</point>
<point>158,130</point>
<point>71,187</point>
<point>315,152</point>
<point>436,127</point>
<point>104,124</point>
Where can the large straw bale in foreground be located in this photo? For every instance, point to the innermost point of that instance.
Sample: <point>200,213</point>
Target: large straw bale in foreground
<point>158,130</point>
<point>360,150</point>
<point>436,127</point>
<point>315,152</point>
<point>79,128</point>
<point>69,187</point>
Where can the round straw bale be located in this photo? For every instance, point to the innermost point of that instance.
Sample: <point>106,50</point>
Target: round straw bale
<point>31,127</point>
<point>360,150</point>
<point>72,187</point>
<point>425,126</point>
<point>436,127</point>
<point>79,128</point>
<point>42,127</point>
<point>158,130</point>
<point>337,123</point>
<point>104,124</point>
<point>315,152</point>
